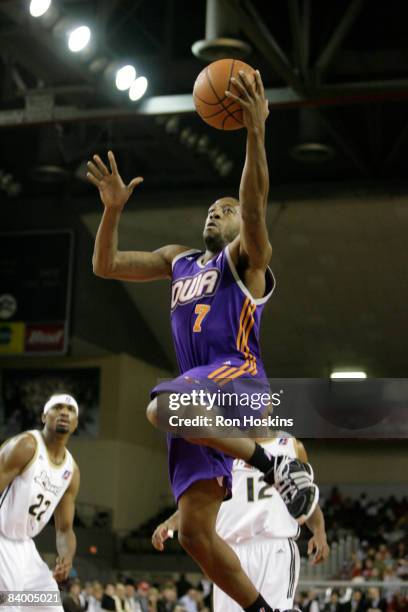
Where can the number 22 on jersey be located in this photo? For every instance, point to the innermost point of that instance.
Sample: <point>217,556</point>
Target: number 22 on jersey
<point>201,310</point>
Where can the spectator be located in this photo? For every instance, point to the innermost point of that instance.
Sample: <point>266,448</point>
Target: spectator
<point>168,599</point>
<point>122,604</point>
<point>357,603</point>
<point>183,585</point>
<point>153,598</point>
<point>310,602</point>
<point>334,605</point>
<point>72,601</point>
<point>374,600</point>
<point>191,599</point>
<point>142,595</point>
<point>108,602</point>
<point>95,599</point>
<point>130,595</point>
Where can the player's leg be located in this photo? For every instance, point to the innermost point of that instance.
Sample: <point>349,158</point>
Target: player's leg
<point>198,508</point>
<point>239,448</point>
<point>276,562</point>
<point>39,579</point>
<point>292,478</point>
<point>12,564</point>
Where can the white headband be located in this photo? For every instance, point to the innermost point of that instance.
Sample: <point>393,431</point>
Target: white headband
<point>61,399</point>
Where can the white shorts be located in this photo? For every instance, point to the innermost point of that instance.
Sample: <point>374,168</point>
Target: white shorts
<point>22,569</point>
<point>272,565</point>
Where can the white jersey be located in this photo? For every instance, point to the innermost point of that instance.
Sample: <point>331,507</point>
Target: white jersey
<point>29,501</point>
<point>256,508</point>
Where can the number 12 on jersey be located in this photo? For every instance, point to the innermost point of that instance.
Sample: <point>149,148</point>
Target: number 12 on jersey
<point>201,310</point>
<point>253,495</point>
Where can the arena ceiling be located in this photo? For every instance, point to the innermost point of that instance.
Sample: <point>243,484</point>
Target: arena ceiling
<point>336,74</point>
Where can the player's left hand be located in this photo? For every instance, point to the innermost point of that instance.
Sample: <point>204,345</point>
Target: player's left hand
<point>62,568</point>
<point>251,98</point>
<point>318,550</point>
<point>160,535</point>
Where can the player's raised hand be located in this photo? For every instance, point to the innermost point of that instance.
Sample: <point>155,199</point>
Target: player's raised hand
<point>317,549</point>
<point>160,535</point>
<point>113,191</point>
<point>62,568</point>
<point>251,98</point>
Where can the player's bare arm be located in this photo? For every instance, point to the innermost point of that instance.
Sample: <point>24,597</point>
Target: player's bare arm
<point>15,455</point>
<point>108,261</point>
<point>318,548</point>
<point>252,251</point>
<point>165,530</point>
<point>65,536</point>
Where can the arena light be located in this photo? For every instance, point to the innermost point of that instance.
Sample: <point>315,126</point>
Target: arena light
<point>138,88</point>
<point>39,7</point>
<point>348,375</point>
<point>79,38</point>
<point>125,77</point>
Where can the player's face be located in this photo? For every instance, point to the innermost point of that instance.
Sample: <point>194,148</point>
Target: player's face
<point>61,419</point>
<point>222,224</point>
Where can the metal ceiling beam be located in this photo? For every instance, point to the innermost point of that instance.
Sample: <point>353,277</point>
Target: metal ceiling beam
<point>253,26</point>
<point>156,105</point>
<point>337,37</point>
<point>300,28</point>
<point>178,104</point>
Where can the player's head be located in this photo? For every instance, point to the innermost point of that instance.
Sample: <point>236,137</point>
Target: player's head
<point>60,414</point>
<point>222,224</point>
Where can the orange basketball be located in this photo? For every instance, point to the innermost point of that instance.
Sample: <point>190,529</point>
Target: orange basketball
<point>213,106</point>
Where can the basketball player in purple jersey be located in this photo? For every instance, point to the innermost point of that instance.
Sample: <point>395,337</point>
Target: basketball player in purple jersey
<point>217,299</point>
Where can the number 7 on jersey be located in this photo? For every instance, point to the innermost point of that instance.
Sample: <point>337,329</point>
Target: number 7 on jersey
<point>201,310</point>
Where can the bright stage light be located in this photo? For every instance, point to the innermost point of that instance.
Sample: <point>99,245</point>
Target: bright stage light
<point>39,7</point>
<point>79,38</point>
<point>138,88</point>
<point>348,375</point>
<point>125,77</point>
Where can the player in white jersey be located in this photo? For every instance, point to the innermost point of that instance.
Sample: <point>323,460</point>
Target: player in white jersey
<point>258,527</point>
<point>38,478</point>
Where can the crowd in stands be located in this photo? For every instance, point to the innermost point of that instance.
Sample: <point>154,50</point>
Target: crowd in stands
<point>377,521</point>
<point>381,527</point>
<point>128,596</point>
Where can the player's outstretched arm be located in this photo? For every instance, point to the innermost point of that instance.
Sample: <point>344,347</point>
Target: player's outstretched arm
<point>15,455</point>
<point>64,522</point>
<point>165,530</point>
<point>107,261</point>
<point>254,187</point>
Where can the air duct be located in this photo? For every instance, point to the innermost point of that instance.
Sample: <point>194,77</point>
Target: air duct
<point>221,30</point>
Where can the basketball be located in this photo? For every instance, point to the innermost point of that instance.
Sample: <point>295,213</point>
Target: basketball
<point>210,101</point>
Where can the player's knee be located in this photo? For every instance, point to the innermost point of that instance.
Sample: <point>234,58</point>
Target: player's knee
<point>194,542</point>
<point>151,412</point>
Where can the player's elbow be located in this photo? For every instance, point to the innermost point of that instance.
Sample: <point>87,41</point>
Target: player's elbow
<point>100,269</point>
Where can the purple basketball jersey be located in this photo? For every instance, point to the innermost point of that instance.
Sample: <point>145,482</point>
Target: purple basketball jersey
<point>213,316</point>
<point>215,324</point>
